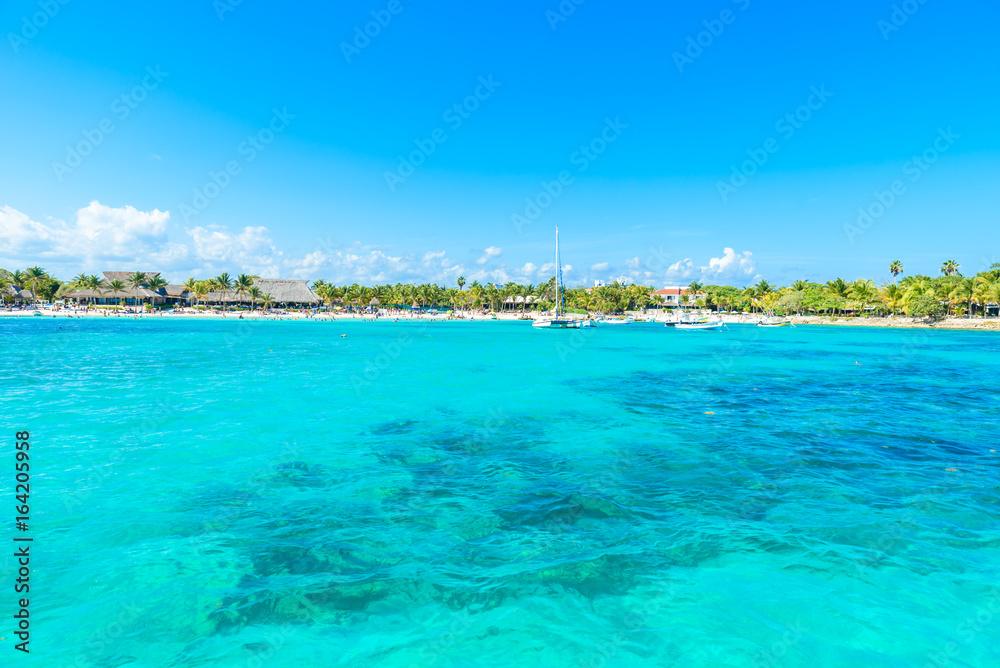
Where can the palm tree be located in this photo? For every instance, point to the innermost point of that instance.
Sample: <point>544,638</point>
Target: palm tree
<point>838,288</point>
<point>254,293</point>
<point>892,295</point>
<point>33,275</point>
<point>223,284</point>
<point>135,281</point>
<point>201,289</point>
<point>762,288</point>
<point>863,292</point>
<point>950,268</point>
<point>461,283</point>
<point>966,291</point>
<point>242,284</point>
<point>896,268</point>
<point>268,301</point>
<point>96,284</point>
<point>114,286</point>
<point>189,285</point>
<point>991,293</point>
<point>916,287</point>
<point>156,283</point>
<point>799,286</point>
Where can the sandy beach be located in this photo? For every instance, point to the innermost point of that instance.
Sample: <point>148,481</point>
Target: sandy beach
<point>959,323</point>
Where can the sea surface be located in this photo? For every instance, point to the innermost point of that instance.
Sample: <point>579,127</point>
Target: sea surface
<point>226,493</point>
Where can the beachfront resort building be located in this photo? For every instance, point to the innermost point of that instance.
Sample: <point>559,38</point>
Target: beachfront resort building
<point>673,296</point>
<point>283,293</point>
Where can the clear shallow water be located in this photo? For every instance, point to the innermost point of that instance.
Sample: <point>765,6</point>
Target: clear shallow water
<point>466,494</point>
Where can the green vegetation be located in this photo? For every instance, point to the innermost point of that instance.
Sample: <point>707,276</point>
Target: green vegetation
<point>922,296</point>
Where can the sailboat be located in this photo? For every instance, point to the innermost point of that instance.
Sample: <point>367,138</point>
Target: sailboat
<point>772,320</point>
<point>559,321</point>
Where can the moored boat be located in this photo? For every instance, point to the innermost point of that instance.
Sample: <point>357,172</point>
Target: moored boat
<point>558,321</point>
<point>701,326</point>
<point>774,321</point>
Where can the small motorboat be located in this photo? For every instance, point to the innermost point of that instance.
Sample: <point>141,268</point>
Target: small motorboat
<point>701,326</point>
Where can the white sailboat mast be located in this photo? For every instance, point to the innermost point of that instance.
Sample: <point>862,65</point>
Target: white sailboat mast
<point>558,276</point>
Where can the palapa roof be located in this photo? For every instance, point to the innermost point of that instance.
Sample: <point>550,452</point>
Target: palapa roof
<point>19,294</point>
<point>123,275</point>
<point>141,293</point>
<point>282,291</point>
<point>177,291</point>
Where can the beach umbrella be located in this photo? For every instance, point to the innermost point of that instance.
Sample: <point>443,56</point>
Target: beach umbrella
<point>374,302</point>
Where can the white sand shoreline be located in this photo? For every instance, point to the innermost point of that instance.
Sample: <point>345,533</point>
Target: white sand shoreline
<point>953,323</point>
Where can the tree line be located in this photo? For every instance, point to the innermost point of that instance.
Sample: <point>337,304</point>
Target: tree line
<point>918,295</point>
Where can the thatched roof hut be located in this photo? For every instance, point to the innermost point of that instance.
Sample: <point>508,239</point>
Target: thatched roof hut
<point>131,293</point>
<point>283,291</point>
<point>374,302</point>
<point>123,276</point>
<point>160,295</point>
<point>25,295</point>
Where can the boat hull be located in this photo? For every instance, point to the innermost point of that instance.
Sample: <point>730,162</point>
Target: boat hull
<point>699,326</point>
<point>556,324</point>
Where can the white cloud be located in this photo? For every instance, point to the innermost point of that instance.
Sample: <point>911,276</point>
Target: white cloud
<point>681,269</point>
<point>431,256</point>
<point>107,238</point>
<point>100,235</point>
<point>21,235</point>
<point>489,254</point>
<point>730,266</point>
<point>251,250</point>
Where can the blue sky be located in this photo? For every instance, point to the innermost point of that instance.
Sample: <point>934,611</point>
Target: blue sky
<point>311,122</point>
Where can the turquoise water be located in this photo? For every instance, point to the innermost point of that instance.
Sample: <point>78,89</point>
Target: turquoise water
<point>485,494</point>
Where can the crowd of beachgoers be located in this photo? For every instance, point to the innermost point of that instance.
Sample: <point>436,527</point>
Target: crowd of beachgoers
<point>403,315</point>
